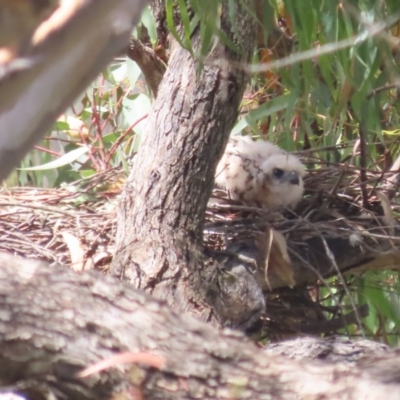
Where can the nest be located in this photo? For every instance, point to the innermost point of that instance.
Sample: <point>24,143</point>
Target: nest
<point>72,226</point>
<point>77,228</point>
<point>347,221</point>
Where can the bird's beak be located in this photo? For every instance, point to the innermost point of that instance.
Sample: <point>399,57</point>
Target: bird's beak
<point>293,178</point>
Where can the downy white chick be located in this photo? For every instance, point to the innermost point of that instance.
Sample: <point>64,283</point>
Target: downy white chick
<point>260,172</point>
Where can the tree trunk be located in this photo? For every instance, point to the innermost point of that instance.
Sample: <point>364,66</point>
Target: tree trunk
<point>162,211</point>
<point>55,322</point>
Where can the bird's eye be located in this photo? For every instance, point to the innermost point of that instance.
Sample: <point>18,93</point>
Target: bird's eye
<point>278,173</point>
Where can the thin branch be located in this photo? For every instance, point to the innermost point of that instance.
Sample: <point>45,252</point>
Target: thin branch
<point>69,50</point>
<point>150,64</point>
<point>381,89</point>
<point>363,167</point>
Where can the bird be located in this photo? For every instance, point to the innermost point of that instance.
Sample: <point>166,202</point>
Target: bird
<point>260,172</point>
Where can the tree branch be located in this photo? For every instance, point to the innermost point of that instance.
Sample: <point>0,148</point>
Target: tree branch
<point>152,67</point>
<point>70,48</point>
<point>54,323</point>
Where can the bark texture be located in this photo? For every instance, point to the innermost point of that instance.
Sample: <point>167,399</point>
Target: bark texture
<point>162,211</point>
<point>331,350</point>
<point>152,67</point>
<point>55,322</point>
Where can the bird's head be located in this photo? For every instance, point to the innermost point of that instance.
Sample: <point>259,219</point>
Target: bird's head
<point>282,180</point>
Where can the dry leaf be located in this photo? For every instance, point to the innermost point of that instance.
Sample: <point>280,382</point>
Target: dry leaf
<point>77,252</point>
<point>387,218</point>
<point>275,257</point>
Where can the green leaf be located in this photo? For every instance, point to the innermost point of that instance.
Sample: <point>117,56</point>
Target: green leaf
<point>134,72</point>
<point>273,106</point>
<point>60,126</point>
<point>86,173</point>
<point>149,22</point>
<point>380,302</point>
<point>118,72</point>
<point>186,23</point>
<point>134,110</point>
<point>99,108</point>
<point>394,132</point>
<point>66,159</point>
<point>169,8</point>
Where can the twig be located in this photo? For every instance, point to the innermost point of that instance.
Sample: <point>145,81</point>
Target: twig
<point>122,137</point>
<point>363,167</point>
<point>335,323</point>
<point>381,89</point>
<point>332,259</point>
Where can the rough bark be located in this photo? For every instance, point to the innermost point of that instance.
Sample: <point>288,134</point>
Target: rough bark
<point>162,211</point>
<point>331,350</point>
<point>152,67</point>
<point>69,50</point>
<point>55,322</point>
